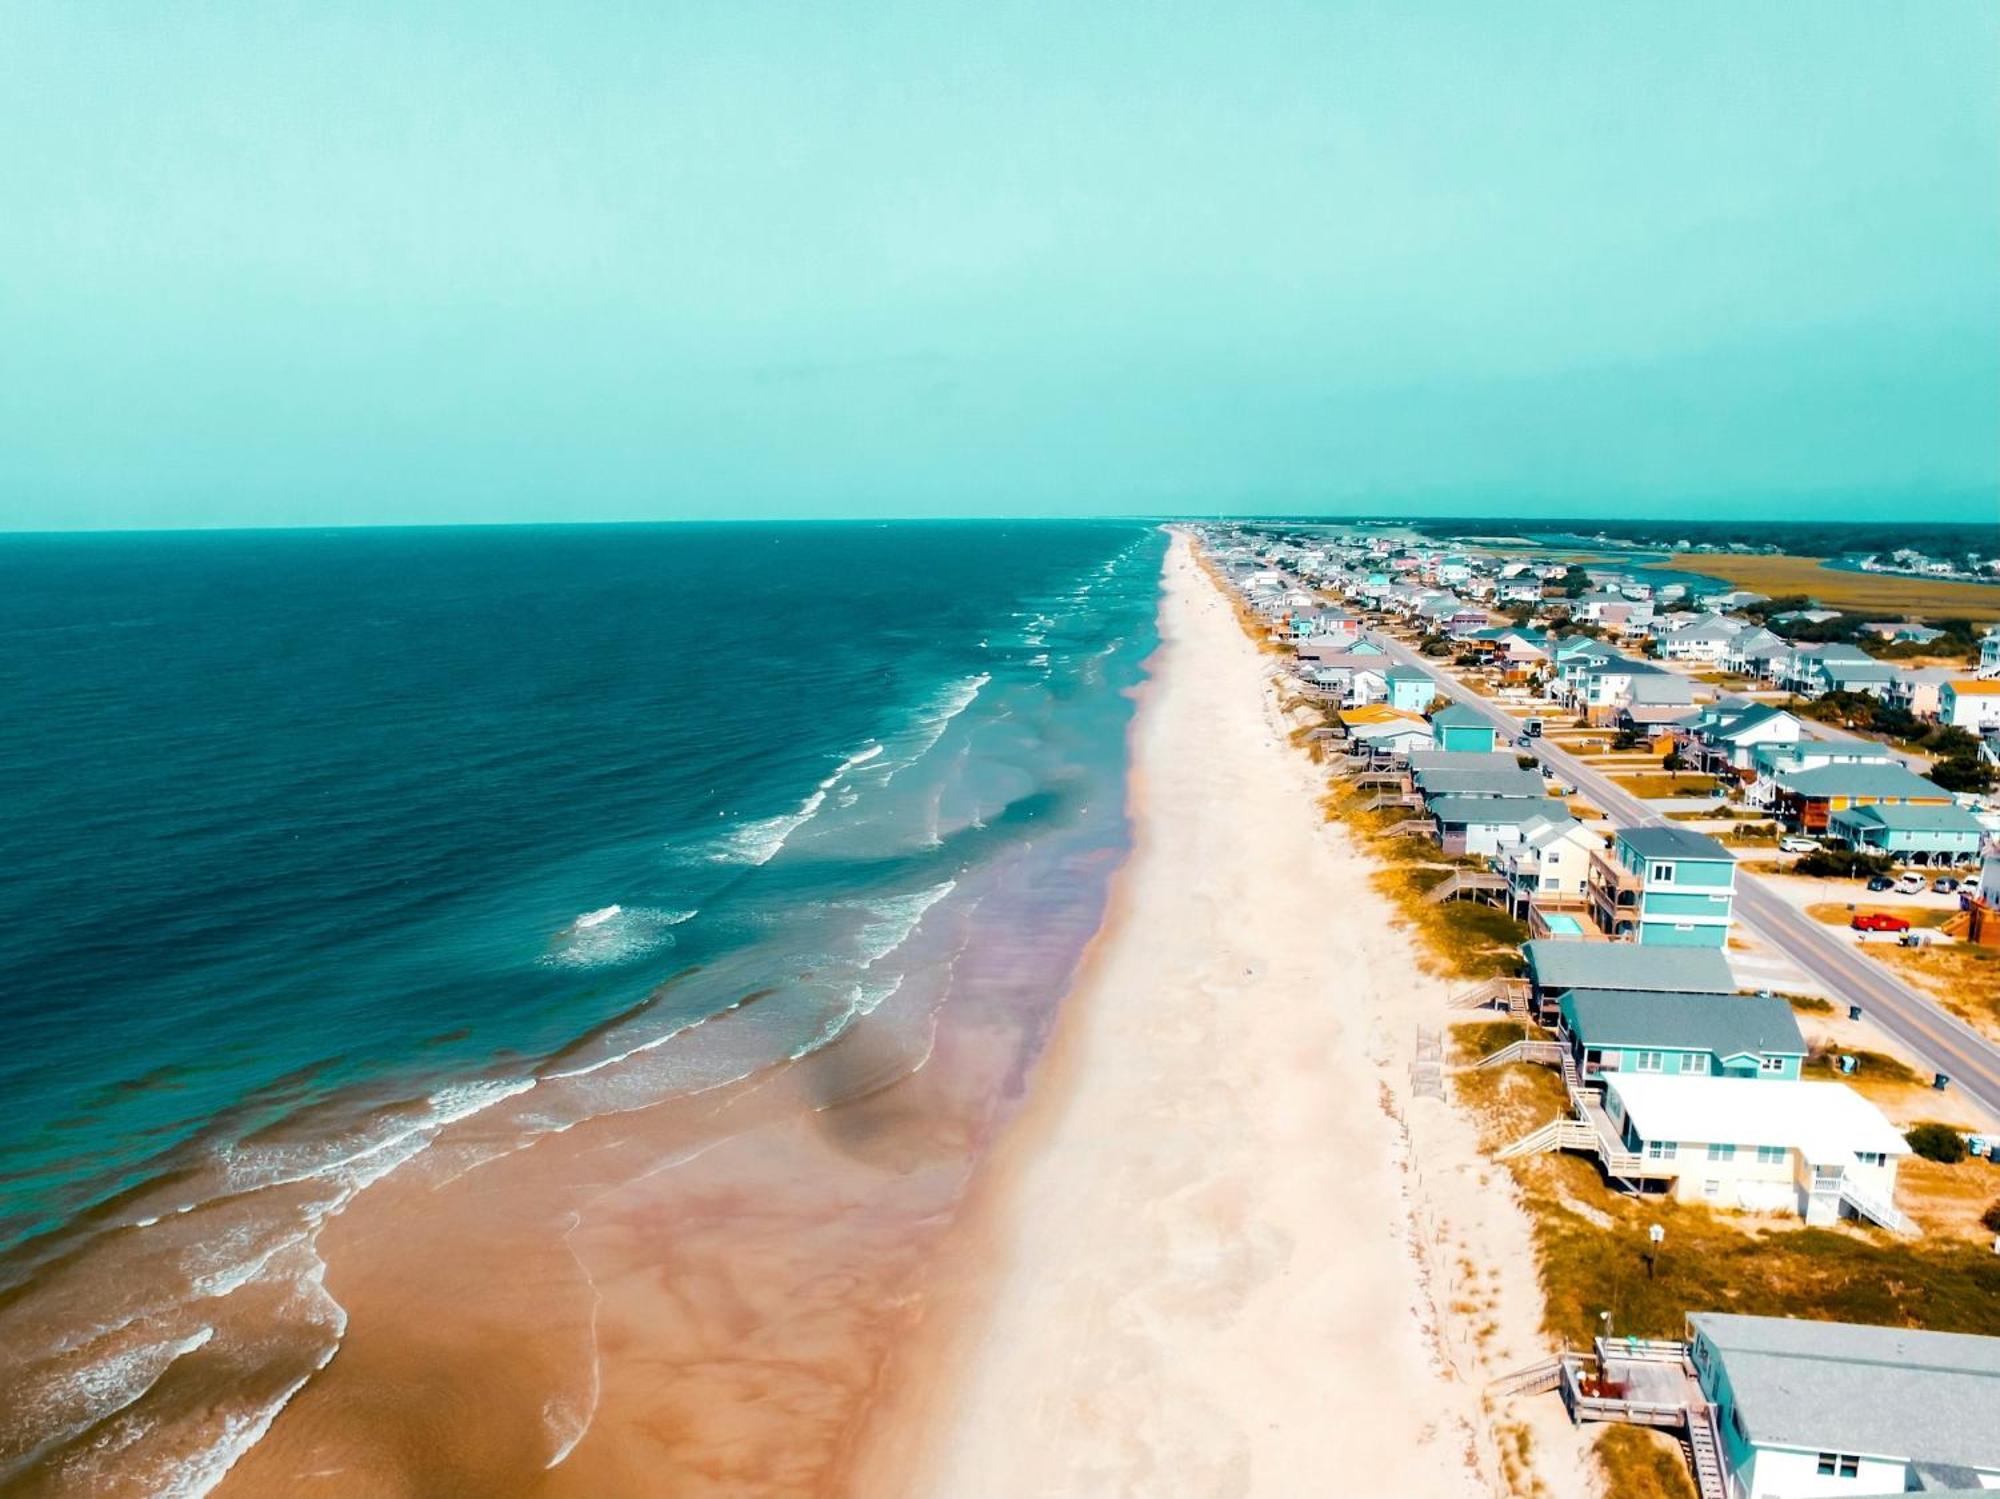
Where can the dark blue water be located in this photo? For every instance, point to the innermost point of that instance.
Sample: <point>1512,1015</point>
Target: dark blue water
<point>295,817</point>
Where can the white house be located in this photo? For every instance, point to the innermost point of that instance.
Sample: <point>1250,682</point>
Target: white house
<point>1970,703</point>
<point>1704,640</point>
<point>1809,1409</point>
<point>1819,1150</point>
<point>1551,864</point>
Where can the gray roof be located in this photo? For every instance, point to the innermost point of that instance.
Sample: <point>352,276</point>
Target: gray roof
<point>1673,843</point>
<point>1501,779</point>
<point>1726,1024</point>
<point>1558,964</point>
<point>1862,778</point>
<point>1881,1391</point>
<point>1423,760</point>
<point>1510,811</point>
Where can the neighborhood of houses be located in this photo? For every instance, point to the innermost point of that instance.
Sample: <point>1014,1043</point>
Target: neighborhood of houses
<point>1678,1083</point>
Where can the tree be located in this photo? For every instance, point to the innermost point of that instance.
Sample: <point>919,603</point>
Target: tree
<point>1963,773</point>
<point>1675,761</point>
<point>1575,582</point>
<point>1951,742</point>
<point>1937,1142</point>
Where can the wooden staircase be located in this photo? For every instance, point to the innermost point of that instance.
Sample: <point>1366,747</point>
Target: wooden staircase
<point>1536,1379</point>
<point>1473,882</point>
<point>1875,1209</point>
<point>1513,993</point>
<point>1704,1444</point>
<point>1547,1053</point>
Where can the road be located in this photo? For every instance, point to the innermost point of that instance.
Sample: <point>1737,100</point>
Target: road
<point>1944,1042</point>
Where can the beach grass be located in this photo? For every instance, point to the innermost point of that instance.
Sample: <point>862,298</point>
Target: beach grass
<point>1640,1463</point>
<point>1591,1243</point>
<point>1837,588</point>
<point>1963,976</point>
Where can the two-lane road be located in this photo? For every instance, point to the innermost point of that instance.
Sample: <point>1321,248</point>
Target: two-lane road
<point>1942,1040</point>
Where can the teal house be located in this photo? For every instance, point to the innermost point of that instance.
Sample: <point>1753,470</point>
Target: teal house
<point>1457,727</point>
<point>1698,1035</point>
<point>1664,886</point>
<point>1910,834</point>
<point>1410,690</point>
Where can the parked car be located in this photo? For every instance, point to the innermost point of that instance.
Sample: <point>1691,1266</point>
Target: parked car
<point>1881,882</point>
<point>1523,742</point>
<point>1879,921</point>
<point>1910,884</point>
<point>1799,845</point>
<point>1944,884</point>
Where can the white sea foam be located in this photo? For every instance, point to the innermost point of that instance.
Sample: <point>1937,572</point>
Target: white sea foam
<point>863,998</point>
<point>938,714</point>
<point>757,842</point>
<point>613,934</point>
<point>895,919</point>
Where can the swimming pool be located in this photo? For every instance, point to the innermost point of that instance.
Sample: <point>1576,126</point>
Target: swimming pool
<point>1560,925</point>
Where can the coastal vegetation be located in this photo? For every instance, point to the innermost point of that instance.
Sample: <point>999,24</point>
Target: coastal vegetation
<point>1591,1242</point>
<point>1888,594</point>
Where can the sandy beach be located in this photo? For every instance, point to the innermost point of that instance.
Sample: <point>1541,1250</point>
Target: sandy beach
<point>1222,1237</point>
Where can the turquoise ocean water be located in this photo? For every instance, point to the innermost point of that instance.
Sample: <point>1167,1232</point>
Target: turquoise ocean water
<point>318,840</point>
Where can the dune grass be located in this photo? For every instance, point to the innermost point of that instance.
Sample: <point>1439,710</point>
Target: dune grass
<point>1710,1261</point>
<point>1639,1463</point>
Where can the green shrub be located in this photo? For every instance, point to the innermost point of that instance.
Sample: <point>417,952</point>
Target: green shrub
<point>1842,863</point>
<point>1991,1218</point>
<point>1937,1142</point>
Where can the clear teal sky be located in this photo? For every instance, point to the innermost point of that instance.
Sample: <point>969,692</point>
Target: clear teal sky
<point>298,263</point>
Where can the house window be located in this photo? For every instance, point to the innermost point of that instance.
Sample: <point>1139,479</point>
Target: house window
<point>1722,1152</point>
<point>1663,873</point>
<point>1839,1465</point>
<point>1660,1150</point>
<point>1651,1061</point>
<point>1695,1062</point>
<point>1770,1064</point>
<point>1771,1155</point>
<point>1871,1157</point>
<point>1711,1189</point>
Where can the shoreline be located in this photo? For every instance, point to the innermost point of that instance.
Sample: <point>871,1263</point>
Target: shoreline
<point>1213,1247</point>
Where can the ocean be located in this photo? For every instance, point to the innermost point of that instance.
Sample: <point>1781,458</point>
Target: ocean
<point>327,846</point>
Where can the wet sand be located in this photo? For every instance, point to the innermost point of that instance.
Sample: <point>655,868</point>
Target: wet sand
<point>1213,1263</point>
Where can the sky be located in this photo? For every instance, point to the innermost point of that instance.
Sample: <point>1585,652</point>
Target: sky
<point>300,264</point>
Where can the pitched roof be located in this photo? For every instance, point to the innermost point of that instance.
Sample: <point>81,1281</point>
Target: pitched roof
<point>1494,811</point>
<point>1503,778</point>
<point>1559,965</point>
<point>1898,818</point>
<point>1459,716</point>
<point>1861,778</point>
<point>1422,761</point>
<point>1840,1386</point>
<point>1673,843</point>
<point>1726,1024</point>
<point>1971,687</point>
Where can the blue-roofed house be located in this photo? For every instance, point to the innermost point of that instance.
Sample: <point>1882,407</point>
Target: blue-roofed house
<point>1910,834</point>
<point>1458,727</point>
<point>1696,1035</point>
<point>1664,886</point>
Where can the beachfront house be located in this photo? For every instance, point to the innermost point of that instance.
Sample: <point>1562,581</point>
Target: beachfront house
<point>1925,835</point>
<point>1744,1036</point>
<point>1555,967</point>
<point>1807,799</point>
<point>1458,727</point>
<point>1548,870</point>
<point>1499,776</point>
<point>1819,1150</point>
<point>1488,824</point>
<point>1383,735</point>
<point>1410,690</point>
<point>1970,703</point>
<point>1809,1409</point>
<point>1664,886</point>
